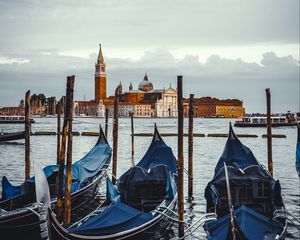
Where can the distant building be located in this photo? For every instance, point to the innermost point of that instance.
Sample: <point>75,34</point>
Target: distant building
<point>100,77</point>
<point>145,85</point>
<point>89,108</point>
<point>125,109</point>
<point>95,107</point>
<point>146,101</point>
<point>12,110</point>
<point>230,111</point>
<point>142,102</point>
<point>213,107</point>
<point>163,102</point>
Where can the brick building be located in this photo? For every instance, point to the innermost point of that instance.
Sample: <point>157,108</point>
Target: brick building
<point>214,107</point>
<point>12,110</point>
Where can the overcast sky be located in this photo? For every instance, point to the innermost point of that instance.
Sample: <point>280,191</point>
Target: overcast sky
<point>223,48</point>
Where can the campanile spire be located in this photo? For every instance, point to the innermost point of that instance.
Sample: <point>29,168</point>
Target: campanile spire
<point>100,77</point>
<point>100,58</point>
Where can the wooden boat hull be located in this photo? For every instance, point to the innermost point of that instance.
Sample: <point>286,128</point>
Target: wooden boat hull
<point>12,136</point>
<point>24,224</point>
<point>147,230</point>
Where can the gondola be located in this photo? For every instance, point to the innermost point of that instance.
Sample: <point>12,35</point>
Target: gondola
<point>245,197</point>
<point>17,208</point>
<point>5,137</point>
<point>140,202</point>
<point>298,151</point>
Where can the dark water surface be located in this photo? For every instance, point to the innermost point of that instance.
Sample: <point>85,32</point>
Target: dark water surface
<point>207,151</point>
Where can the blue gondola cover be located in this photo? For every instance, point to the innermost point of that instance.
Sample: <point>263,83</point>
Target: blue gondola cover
<point>235,154</point>
<point>8,190</point>
<point>116,218</point>
<point>248,220</point>
<point>112,193</point>
<point>152,179</point>
<point>157,154</point>
<point>255,194</point>
<point>171,187</point>
<point>82,170</point>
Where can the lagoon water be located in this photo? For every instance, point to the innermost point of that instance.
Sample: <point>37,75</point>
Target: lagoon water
<point>207,151</point>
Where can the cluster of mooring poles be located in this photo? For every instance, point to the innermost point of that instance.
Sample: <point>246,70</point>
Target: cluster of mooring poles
<point>180,159</point>
<point>63,206</point>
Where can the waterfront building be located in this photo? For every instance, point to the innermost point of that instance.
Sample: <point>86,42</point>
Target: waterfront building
<point>214,107</point>
<point>164,102</point>
<point>230,111</point>
<point>89,108</point>
<point>125,109</point>
<point>9,111</point>
<point>132,96</point>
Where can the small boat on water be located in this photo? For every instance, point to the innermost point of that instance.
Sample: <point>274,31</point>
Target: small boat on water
<point>298,151</point>
<point>245,197</point>
<point>13,119</point>
<point>290,119</point>
<point>18,219</point>
<point>5,137</point>
<point>143,198</point>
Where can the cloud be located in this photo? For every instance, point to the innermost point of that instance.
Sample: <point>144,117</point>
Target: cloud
<point>271,60</point>
<point>46,71</point>
<point>67,24</point>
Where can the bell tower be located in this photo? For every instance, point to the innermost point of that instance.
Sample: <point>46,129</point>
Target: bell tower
<point>100,77</point>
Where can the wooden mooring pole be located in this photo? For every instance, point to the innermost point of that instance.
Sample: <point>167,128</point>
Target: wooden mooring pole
<point>58,112</point>
<point>190,146</point>
<point>180,162</point>
<point>132,138</point>
<point>106,121</point>
<point>62,157</point>
<point>115,134</point>
<point>269,132</point>
<point>27,135</point>
<point>70,97</point>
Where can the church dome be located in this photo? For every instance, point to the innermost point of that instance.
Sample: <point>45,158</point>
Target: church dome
<point>145,85</point>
